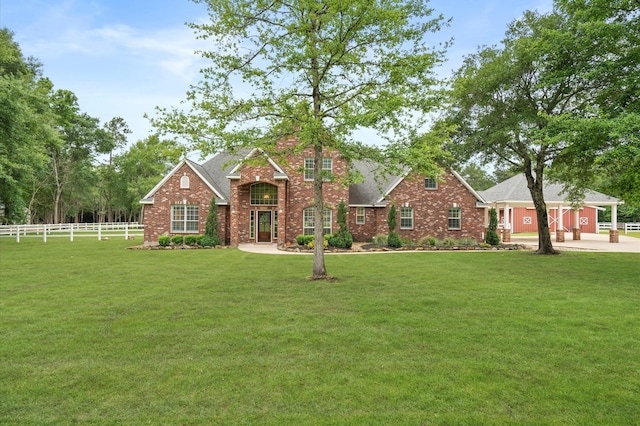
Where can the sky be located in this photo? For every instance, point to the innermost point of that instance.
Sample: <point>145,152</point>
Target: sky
<point>124,58</point>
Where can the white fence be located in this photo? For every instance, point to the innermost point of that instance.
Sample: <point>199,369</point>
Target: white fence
<point>625,226</point>
<point>72,230</point>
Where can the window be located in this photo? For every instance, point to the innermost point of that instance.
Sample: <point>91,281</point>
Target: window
<point>252,224</point>
<point>455,218</point>
<point>431,183</point>
<point>308,221</point>
<point>184,218</point>
<point>327,168</point>
<point>275,224</point>
<point>263,194</point>
<point>406,218</point>
<point>184,182</point>
<point>360,215</point>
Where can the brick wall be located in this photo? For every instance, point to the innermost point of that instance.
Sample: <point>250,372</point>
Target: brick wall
<point>431,209</point>
<point>157,216</point>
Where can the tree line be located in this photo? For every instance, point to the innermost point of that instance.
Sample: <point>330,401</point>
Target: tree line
<point>59,164</point>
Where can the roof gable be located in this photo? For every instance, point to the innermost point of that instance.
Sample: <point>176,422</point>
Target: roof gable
<point>198,170</point>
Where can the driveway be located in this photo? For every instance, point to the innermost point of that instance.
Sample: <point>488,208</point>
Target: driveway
<point>588,242</point>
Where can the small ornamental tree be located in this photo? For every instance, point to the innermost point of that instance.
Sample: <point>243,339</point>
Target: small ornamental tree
<point>394,239</point>
<point>492,236</point>
<point>342,238</point>
<point>211,237</point>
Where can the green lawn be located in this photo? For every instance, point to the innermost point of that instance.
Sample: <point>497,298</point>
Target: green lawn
<point>93,333</point>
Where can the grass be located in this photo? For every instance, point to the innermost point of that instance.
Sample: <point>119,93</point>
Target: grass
<point>94,333</point>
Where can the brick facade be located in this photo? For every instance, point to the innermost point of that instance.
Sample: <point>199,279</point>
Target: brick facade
<point>294,194</point>
<point>157,216</point>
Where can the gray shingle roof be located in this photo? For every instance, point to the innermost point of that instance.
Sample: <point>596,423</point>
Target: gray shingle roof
<point>515,190</point>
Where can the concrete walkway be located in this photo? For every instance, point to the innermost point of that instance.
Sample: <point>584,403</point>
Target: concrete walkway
<point>588,242</point>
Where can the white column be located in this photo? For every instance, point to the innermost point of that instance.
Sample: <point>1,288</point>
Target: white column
<point>45,233</point>
<point>559,225</point>
<point>17,233</point>
<point>507,215</point>
<point>614,217</point>
<point>71,232</point>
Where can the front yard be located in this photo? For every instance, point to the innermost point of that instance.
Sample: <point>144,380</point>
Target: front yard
<point>94,333</point>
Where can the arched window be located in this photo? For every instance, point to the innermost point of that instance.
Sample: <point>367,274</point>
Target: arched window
<point>184,182</point>
<point>264,194</point>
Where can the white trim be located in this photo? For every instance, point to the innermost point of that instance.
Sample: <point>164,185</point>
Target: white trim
<point>253,151</point>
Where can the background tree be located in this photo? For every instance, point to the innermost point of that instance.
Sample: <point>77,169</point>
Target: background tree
<point>477,177</point>
<point>116,131</point>
<point>605,133</point>
<point>504,101</point>
<point>140,168</point>
<point>73,153</point>
<point>25,126</point>
<point>316,70</point>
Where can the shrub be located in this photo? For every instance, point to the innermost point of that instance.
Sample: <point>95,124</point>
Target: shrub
<point>208,241</point>
<point>339,240</point>
<point>492,236</point>
<point>406,241</point>
<point>311,244</point>
<point>467,241</point>
<point>191,240</point>
<point>380,240</point>
<point>427,241</point>
<point>394,240</point>
<point>211,227</point>
<point>164,240</point>
<point>177,240</point>
<point>342,238</point>
<point>304,240</point>
<point>449,242</point>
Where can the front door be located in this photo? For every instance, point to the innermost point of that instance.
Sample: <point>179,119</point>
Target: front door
<point>264,226</point>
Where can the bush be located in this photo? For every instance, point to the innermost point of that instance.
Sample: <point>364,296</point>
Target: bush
<point>492,236</point>
<point>211,227</point>
<point>208,241</point>
<point>311,244</point>
<point>341,240</point>
<point>449,242</point>
<point>177,240</point>
<point>191,240</point>
<point>380,240</point>
<point>406,241</point>
<point>304,240</point>
<point>427,241</point>
<point>164,240</point>
<point>467,241</point>
<point>394,240</point>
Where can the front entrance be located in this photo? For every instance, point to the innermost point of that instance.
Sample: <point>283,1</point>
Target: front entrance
<point>264,226</point>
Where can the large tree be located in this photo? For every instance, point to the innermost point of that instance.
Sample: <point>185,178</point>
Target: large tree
<point>509,102</point>
<point>318,70</point>
<point>605,134</point>
<point>25,125</point>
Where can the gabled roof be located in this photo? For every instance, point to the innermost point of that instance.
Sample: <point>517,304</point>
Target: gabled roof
<point>515,191</point>
<point>374,189</point>
<point>198,170</point>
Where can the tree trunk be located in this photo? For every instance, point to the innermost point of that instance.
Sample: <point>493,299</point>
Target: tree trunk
<point>535,185</point>
<point>319,270</point>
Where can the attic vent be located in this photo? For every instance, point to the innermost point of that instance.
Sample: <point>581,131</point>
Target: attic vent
<point>184,182</point>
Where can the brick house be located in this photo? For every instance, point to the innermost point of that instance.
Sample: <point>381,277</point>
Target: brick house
<point>262,201</point>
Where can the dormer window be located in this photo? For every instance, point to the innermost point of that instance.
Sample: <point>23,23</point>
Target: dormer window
<point>184,182</point>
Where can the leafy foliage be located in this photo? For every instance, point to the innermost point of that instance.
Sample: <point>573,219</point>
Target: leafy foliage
<point>342,238</point>
<point>211,236</point>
